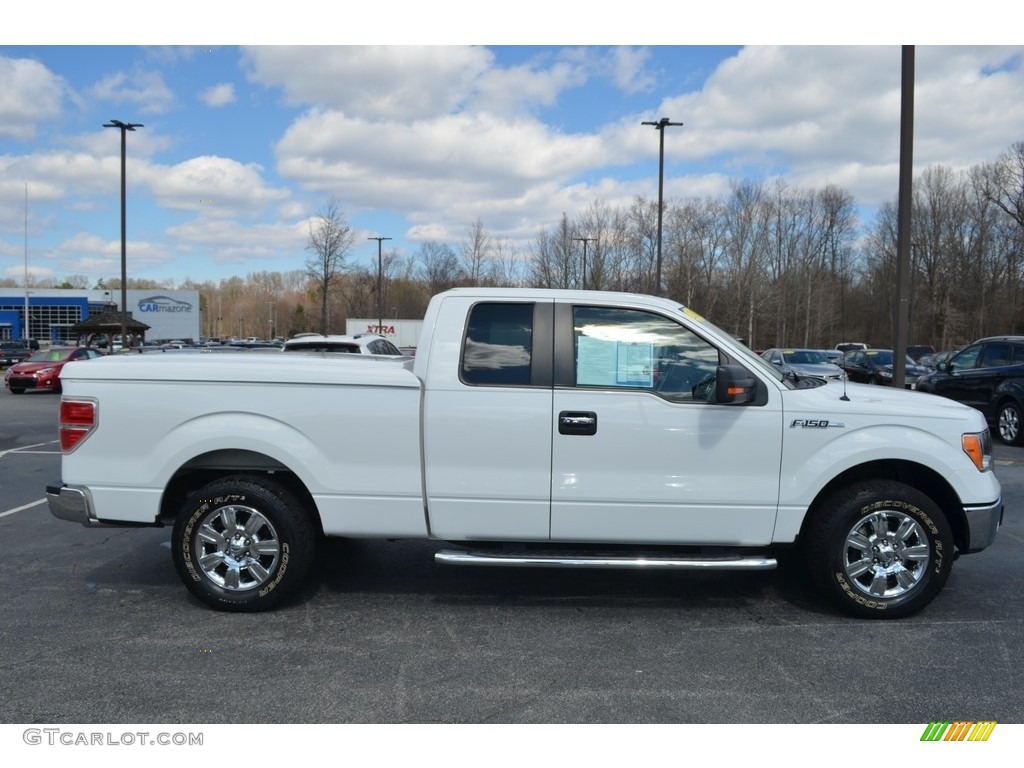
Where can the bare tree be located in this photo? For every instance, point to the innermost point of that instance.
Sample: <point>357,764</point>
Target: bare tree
<point>440,267</point>
<point>506,267</point>
<point>475,251</point>
<point>1003,182</point>
<point>554,264</point>
<point>330,240</point>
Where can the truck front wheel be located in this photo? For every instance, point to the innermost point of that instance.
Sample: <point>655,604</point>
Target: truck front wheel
<point>879,549</point>
<point>242,543</point>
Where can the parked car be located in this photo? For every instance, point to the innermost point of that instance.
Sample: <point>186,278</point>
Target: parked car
<point>916,351</point>
<point>931,362</point>
<point>832,355</point>
<point>42,370</point>
<point>15,350</point>
<point>846,346</point>
<point>360,343</point>
<point>987,375</point>
<point>874,366</point>
<point>800,363</point>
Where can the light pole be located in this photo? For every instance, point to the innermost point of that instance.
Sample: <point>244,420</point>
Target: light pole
<point>124,127</point>
<point>585,240</point>
<point>380,282</point>
<point>660,128</point>
<point>24,326</point>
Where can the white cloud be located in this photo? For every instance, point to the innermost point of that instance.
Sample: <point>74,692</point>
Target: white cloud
<point>629,72</point>
<point>402,83</point>
<point>509,92</point>
<point>219,95</point>
<point>146,90</point>
<point>29,95</point>
<point>216,187</point>
<point>235,242</point>
<point>467,151</point>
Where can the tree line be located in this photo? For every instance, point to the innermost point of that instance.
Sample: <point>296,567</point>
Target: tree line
<point>773,263</point>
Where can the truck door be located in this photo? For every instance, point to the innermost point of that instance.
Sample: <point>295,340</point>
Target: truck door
<point>639,453</point>
<point>487,421</point>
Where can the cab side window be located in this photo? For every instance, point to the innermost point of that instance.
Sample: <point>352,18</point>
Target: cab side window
<point>498,345</point>
<point>632,349</point>
<point>997,354</point>
<point>968,358</point>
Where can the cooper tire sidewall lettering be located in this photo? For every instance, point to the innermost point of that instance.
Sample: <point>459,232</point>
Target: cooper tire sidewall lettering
<point>828,536</point>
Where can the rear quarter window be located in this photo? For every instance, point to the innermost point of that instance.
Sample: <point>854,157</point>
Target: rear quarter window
<point>498,346</point>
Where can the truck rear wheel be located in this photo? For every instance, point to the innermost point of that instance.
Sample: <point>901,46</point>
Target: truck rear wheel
<point>242,543</point>
<point>879,549</point>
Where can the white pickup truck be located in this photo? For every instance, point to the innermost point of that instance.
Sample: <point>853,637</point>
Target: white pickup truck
<point>533,428</point>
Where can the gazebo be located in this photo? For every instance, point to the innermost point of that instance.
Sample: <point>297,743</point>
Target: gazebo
<point>108,324</point>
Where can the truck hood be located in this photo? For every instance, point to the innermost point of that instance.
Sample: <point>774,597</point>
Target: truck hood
<point>900,406</point>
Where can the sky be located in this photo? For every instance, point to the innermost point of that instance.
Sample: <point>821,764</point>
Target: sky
<point>419,134</point>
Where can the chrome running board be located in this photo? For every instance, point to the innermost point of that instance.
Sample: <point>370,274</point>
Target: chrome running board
<point>541,559</point>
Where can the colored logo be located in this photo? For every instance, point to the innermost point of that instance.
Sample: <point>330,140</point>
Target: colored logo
<point>163,304</point>
<point>959,730</point>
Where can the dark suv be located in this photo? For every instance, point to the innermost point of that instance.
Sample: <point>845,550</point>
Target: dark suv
<point>988,375</point>
<point>15,350</point>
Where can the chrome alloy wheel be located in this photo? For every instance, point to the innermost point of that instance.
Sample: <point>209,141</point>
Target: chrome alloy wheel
<point>1009,424</point>
<point>886,554</point>
<point>237,548</point>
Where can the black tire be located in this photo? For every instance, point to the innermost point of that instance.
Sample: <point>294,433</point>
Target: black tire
<point>879,549</point>
<point>874,380</point>
<point>265,560</point>
<point>1010,423</point>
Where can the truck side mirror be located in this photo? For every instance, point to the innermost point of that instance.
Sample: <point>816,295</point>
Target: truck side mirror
<point>734,385</point>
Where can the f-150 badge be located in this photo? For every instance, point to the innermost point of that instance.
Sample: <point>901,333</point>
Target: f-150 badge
<point>816,424</point>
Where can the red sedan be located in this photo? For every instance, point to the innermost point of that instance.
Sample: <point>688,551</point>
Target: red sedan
<point>42,370</point>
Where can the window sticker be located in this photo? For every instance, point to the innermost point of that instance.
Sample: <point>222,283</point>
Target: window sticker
<point>595,365</point>
<point>608,363</point>
<point>634,364</point>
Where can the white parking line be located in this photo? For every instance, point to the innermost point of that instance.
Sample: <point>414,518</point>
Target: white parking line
<point>25,449</point>
<point>22,508</point>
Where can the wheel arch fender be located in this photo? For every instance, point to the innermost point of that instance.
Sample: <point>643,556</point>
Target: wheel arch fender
<point>1009,390</point>
<point>214,465</point>
<point>201,450</point>
<point>925,479</point>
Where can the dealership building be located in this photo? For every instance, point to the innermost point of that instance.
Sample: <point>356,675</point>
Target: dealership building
<point>50,314</point>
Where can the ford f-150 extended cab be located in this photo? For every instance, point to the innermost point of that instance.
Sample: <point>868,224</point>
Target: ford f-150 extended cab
<point>533,428</point>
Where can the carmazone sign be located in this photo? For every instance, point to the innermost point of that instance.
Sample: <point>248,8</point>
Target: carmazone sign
<point>169,314</point>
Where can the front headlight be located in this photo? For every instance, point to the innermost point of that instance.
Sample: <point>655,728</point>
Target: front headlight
<point>978,446</point>
<point>886,374</point>
<point>44,371</point>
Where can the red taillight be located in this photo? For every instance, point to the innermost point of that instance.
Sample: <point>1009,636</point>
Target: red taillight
<point>77,421</point>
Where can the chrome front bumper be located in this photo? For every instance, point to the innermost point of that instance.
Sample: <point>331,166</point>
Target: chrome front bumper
<point>982,525</point>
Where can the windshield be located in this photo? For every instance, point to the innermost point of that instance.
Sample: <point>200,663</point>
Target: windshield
<point>805,357</point>
<point>885,357</point>
<point>50,356</point>
<point>750,359</point>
